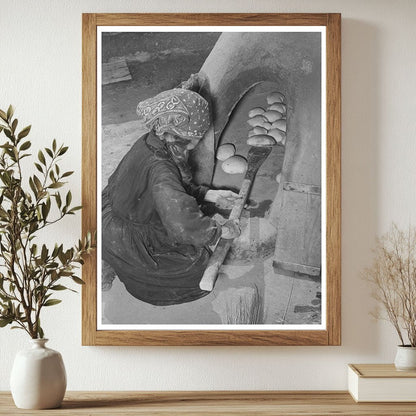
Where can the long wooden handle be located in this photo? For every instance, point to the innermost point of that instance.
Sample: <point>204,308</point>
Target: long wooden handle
<point>215,262</point>
<point>243,194</point>
<point>221,250</point>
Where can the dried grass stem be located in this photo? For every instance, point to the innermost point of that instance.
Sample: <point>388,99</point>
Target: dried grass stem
<point>393,276</point>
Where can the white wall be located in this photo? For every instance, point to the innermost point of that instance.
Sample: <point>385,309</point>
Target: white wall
<point>40,73</point>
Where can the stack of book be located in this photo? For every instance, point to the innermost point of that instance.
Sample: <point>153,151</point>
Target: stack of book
<point>381,383</point>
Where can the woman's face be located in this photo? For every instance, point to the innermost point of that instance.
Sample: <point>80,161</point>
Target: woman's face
<point>171,138</point>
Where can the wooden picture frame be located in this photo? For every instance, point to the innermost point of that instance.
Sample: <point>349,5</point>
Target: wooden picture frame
<point>331,333</point>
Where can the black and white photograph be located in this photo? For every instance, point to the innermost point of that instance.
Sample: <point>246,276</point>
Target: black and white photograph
<point>211,174</point>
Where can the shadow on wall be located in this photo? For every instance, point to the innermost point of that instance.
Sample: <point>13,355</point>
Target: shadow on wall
<point>360,180</point>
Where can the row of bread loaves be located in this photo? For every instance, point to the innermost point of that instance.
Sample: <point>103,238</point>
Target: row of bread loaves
<point>268,125</point>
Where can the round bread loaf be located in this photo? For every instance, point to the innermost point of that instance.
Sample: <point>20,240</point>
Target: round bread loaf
<point>272,115</point>
<point>279,124</point>
<point>277,134</point>
<point>256,111</point>
<point>275,97</point>
<point>234,164</point>
<point>281,108</point>
<point>225,151</point>
<point>257,130</point>
<point>261,140</point>
<point>257,121</point>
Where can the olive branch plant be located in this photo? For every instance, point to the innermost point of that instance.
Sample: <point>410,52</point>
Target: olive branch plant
<point>30,272</point>
<point>393,277</point>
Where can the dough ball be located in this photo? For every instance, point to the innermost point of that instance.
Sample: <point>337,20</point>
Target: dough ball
<point>272,115</point>
<point>277,134</point>
<point>257,130</point>
<point>275,97</point>
<point>281,108</point>
<point>235,164</point>
<point>257,121</point>
<point>225,151</point>
<point>279,124</point>
<point>279,177</point>
<point>256,111</point>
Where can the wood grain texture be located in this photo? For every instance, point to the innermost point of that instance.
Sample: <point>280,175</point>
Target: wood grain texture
<point>380,371</point>
<point>331,336</point>
<point>211,19</point>
<point>211,338</point>
<point>333,243</point>
<point>266,403</point>
<point>89,172</point>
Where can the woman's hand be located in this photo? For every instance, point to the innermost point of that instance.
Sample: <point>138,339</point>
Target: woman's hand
<point>222,198</point>
<point>230,230</point>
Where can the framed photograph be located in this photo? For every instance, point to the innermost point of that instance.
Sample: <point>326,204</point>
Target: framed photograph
<point>211,172</point>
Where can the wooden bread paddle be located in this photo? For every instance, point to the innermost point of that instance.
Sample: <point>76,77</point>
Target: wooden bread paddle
<point>255,158</point>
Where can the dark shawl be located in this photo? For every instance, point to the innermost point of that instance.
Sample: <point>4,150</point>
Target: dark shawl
<point>153,233</point>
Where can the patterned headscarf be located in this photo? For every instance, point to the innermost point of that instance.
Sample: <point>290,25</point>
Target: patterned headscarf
<point>178,111</point>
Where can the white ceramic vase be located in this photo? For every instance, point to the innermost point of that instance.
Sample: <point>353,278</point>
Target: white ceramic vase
<point>405,358</point>
<point>38,378</point>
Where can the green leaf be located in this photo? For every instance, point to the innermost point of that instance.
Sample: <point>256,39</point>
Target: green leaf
<point>63,150</point>
<point>8,133</point>
<point>58,199</point>
<point>76,279</point>
<point>49,152</point>
<point>77,208</point>
<point>68,199</point>
<point>44,253</point>
<point>62,257</point>
<point>51,302</point>
<point>54,145</point>
<point>40,332</point>
<point>56,185</point>
<point>14,125</point>
<point>37,183</point>
<point>59,287</point>
<point>25,145</point>
<point>55,251</point>
<point>33,187</point>
<point>67,174</point>
<point>5,321</point>
<point>24,132</point>
<point>3,115</point>
<point>45,211</point>
<point>39,167</point>
<point>34,249</point>
<point>41,157</point>
<point>10,112</point>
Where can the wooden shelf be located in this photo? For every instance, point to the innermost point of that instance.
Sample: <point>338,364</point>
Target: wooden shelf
<point>178,403</point>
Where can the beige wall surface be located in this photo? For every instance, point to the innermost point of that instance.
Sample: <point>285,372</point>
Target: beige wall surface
<point>40,73</point>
